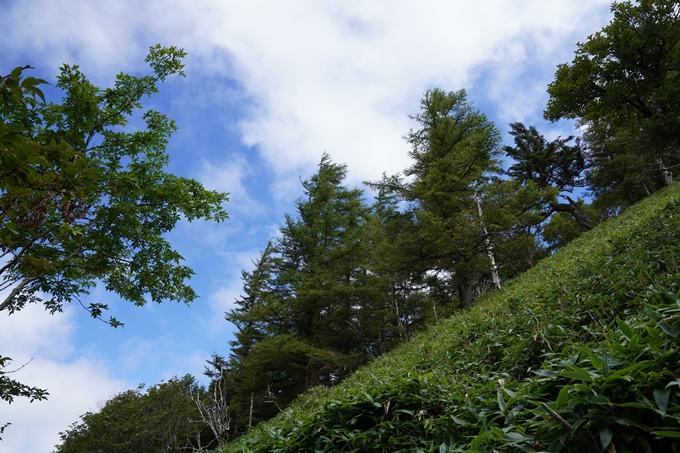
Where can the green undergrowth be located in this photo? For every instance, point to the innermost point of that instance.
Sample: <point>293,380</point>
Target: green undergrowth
<point>530,367</point>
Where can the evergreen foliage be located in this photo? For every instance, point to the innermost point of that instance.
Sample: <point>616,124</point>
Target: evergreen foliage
<point>304,318</point>
<point>553,166</point>
<point>452,151</point>
<point>470,229</point>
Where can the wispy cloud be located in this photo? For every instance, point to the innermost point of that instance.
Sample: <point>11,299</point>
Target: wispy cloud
<point>228,176</point>
<point>224,299</point>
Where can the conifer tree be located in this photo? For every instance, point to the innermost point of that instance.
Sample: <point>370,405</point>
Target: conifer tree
<point>303,318</point>
<point>453,151</point>
<point>555,167</point>
<point>394,259</point>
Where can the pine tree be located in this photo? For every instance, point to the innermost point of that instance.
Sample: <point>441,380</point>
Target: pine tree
<point>556,167</point>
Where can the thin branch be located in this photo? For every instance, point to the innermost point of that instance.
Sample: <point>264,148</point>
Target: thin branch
<point>557,417</point>
<point>14,371</point>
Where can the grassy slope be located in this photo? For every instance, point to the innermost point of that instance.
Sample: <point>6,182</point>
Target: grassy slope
<point>603,274</point>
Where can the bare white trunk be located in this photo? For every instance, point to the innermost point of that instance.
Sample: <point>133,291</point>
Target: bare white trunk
<point>489,248</point>
<point>644,186</point>
<point>403,331</point>
<point>667,175</point>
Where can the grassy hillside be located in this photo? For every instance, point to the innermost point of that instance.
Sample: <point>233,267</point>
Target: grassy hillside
<point>564,358</point>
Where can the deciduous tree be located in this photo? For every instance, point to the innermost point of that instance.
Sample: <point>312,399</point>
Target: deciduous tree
<point>86,200</point>
<point>164,418</point>
<point>623,87</point>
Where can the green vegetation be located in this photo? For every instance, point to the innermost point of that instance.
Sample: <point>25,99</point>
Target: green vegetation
<point>581,333</point>
<point>346,281</point>
<point>301,321</point>
<point>84,201</point>
<point>623,86</point>
<point>164,418</point>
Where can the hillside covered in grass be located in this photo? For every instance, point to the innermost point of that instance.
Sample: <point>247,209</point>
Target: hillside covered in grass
<point>577,354</point>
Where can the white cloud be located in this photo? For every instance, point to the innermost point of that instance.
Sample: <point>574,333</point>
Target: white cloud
<point>38,333</point>
<point>74,384</point>
<point>226,177</point>
<point>336,76</point>
<point>223,299</point>
<point>342,76</point>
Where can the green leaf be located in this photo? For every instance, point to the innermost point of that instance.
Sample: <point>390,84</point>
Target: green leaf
<point>668,330</point>
<point>545,373</point>
<point>514,438</point>
<point>594,359</point>
<point>644,443</point>
<point>637,405</point>
<point>653,315</point>
<point>661,434</point>
<point>40,160</point>
<point>606,436</point>
<point>501,400</point>
<point>562,397</point>
<point>16,73</point>
<point>578,374</point>
<point>458,420</point>
<point>605,364</point>
<point>625,328</point>
<point>509,392</point>
<point>661,397</point>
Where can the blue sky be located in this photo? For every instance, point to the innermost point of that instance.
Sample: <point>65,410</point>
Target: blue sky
<point>270,86</point>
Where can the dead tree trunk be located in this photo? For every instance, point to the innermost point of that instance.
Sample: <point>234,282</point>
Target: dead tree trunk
<point>216,413</point>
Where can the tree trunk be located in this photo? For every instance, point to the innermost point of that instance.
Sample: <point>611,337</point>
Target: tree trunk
<point>575,210</point>
<point>466,299</point>
<point>489,248</point>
